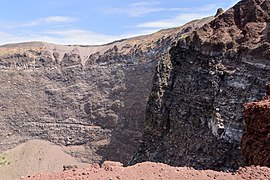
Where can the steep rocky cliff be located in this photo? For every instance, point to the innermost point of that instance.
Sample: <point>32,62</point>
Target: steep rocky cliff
<point>89,99</point>
<point>92,99</point>
<point>194,114</point>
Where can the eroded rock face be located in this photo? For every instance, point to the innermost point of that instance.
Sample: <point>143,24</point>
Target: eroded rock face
<point>194,114</point>
<point>90,99</point>
<point>96,110</point>
<point>255,142</point>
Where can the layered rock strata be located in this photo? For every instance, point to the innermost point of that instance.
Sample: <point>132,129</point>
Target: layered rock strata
<point>89,99</point>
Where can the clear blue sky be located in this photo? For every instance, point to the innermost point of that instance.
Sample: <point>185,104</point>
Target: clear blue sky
<point>96,21</point>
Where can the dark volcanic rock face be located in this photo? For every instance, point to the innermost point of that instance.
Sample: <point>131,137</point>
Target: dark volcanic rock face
<point>90,99</point>
<point>194,114</point>
<point>255,142</point>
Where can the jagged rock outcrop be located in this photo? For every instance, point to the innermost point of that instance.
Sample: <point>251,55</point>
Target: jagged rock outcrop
<point>194,114</point>
<point>255,142</point>
<point>219,11</point>
<point>90,99</point>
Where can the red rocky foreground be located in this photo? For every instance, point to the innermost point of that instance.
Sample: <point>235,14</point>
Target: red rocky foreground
<point>256,139</point>
<point>149,170</point>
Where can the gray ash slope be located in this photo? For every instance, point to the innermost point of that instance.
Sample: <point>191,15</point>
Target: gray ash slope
<point>194,115</point>
<point>89,99</point>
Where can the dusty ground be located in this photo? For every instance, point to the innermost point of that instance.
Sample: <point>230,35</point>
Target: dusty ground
<point>149,170</point>
<point>33,157</point>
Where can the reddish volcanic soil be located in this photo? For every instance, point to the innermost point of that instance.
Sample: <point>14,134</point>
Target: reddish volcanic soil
<point>256,139</point>
<point>149,170</point>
